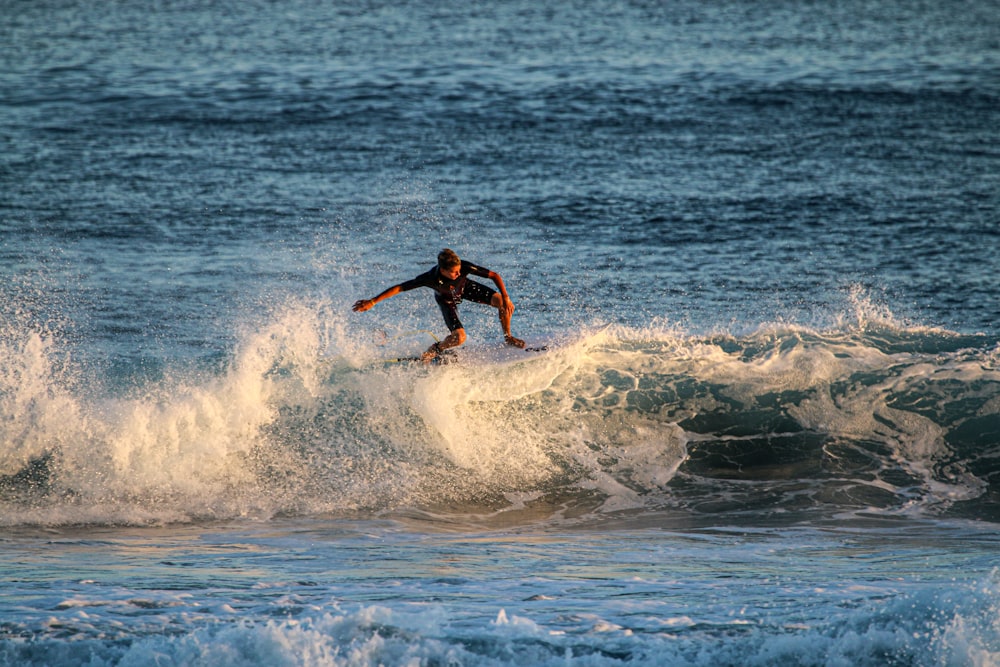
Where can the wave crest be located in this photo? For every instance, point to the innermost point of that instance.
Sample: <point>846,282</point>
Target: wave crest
<point>304,418</point>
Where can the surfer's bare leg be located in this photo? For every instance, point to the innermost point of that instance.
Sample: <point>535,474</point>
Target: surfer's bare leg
<point>454,339</point>
<point>505,307</point>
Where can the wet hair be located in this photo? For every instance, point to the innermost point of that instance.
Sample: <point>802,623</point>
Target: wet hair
<point>448,258</point>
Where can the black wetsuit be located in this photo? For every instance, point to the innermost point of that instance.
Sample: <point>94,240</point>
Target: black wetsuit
<point>449,293</point>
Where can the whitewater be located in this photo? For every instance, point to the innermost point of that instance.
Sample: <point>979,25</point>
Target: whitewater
<point>631,496</point>
<point>304,418</point>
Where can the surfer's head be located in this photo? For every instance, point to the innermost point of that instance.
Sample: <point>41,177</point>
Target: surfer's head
<point>449,264</point>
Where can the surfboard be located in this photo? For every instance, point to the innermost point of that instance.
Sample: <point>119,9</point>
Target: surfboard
<point>497,354</point>
<point>485,354</point>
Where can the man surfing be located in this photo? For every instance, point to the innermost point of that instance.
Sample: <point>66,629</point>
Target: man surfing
<point>450,284</point>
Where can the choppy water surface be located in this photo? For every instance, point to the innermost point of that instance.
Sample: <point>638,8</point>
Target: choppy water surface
<point>760,242</point>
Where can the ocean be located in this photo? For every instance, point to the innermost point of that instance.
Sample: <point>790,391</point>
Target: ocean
<point>759,241</point>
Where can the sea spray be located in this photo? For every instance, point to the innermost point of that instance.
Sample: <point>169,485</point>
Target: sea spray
<point>40,415</point>
<point>788,418</point>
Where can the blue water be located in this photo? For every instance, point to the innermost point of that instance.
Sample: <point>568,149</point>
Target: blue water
<point>759,239</point>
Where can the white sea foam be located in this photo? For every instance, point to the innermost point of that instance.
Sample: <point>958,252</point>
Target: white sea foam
<point>288,425</point>
<point>934,625</point>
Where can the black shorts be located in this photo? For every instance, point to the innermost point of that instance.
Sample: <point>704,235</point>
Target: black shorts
<point>473,292</point>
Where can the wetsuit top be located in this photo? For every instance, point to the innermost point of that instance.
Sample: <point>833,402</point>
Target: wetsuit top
<point>448,291</point>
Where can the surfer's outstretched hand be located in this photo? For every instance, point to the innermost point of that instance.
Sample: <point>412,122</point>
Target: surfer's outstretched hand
<point>362,305</point>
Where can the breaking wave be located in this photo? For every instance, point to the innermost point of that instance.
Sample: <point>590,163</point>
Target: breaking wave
<point>305,417</point>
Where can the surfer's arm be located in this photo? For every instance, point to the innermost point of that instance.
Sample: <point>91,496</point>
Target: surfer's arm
<point>362,305</point>
<point>423,280</point>
<point>506,305</point>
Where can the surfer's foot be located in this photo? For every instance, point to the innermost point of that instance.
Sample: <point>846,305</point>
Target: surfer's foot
<point>513,342</point>
<point>432,353</point>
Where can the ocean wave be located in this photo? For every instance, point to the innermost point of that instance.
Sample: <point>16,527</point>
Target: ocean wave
<point>934,625</point>
<point>307,417</point>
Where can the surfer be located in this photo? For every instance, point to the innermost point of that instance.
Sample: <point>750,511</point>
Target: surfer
<point>450,284</point>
